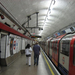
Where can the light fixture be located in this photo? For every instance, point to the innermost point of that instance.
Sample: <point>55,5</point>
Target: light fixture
<point>54,2</point>
<point>48,13</point>
<point>49,10</point>
<point>46,19</point>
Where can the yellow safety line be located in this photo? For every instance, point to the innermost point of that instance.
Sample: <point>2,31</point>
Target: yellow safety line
<point>48,65</point>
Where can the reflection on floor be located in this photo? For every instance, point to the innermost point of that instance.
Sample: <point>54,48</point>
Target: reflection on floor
<point>19,67</point>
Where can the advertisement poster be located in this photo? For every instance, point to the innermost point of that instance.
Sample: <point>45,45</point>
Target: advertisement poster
<point>11,46</point>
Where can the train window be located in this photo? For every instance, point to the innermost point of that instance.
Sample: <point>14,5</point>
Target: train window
<point>74,54</point>
<point>54,47</point>
<point>51,45</point>
<point>65,48</point>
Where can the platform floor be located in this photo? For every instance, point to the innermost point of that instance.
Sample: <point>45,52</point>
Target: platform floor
<point>19,67</point>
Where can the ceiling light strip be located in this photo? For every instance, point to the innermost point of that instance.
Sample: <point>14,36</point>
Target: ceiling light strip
<point>49,10</point>
<point>48,13</point>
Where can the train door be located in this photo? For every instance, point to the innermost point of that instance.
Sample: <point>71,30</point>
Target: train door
<point>50,50</point>
<point>46,50</point>
<point>48,47</point>
<point>72,58</point>
<point>64,55</point>
<point>53,55</point>
<point>56,53</point>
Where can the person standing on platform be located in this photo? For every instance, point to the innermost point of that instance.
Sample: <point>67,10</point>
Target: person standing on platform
<point>28,51</point>
<point>36,49</point>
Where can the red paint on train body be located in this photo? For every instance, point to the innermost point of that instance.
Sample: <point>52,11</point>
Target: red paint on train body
<point>71,62</point>
<point>55,50</point>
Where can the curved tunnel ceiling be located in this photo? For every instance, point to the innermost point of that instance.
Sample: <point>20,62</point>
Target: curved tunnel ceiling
<point>62,14</point>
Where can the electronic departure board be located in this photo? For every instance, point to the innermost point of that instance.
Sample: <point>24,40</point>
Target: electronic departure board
<point>35,36</point>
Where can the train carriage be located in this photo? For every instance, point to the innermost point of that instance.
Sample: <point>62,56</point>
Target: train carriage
<point>55,49</point>
<point>48,47</point>
<point>67,55</point>
<point>62,52</point>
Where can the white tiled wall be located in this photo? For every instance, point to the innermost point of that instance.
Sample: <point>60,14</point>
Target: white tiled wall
<point>7,47</point>
<point>18,46</point>
<point>3,47</point>
<point>23,43</point>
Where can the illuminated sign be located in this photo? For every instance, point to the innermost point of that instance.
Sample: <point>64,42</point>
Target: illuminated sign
<point>35,36</point>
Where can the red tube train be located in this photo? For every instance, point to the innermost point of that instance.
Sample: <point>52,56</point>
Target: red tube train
<point>61,51</point>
